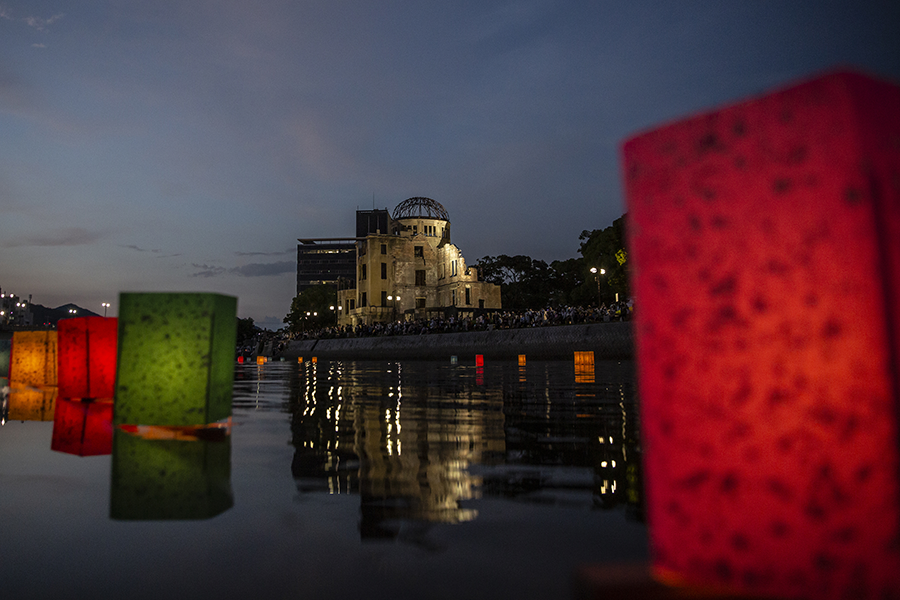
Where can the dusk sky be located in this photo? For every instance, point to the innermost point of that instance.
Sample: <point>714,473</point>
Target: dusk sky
<point>186,145</point>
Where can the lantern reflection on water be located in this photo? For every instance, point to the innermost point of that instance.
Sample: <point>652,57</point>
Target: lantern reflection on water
<point>154,478</point>
<point>175,358</point>
<point>87,357</point>
<point>33,359</point>
<point>765,239</point>
<point>82,427</point>
<point>31,404</point>
<point>584,366</point>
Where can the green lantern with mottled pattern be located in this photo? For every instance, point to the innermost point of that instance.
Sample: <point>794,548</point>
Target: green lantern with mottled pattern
<point>175,358</point>
<point>164,479</point>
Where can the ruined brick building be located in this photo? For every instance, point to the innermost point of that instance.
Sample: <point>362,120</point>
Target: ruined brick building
<point>406,268</point>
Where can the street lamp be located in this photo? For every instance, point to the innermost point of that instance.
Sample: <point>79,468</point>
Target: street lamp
<point>597,277</point>
<point>105,305</point>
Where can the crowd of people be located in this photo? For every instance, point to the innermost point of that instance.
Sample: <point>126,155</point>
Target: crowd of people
<point>564,315</point>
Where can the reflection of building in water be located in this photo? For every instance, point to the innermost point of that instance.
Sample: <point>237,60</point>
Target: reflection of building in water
<point>407,440</point>
<point>589,425</point>
<point>402,446</point>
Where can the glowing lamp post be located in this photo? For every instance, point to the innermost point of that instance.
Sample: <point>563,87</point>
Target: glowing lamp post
<point>597,277</point>
<point>766,245</point>
<point>175,358</point>
<point>87,357</point>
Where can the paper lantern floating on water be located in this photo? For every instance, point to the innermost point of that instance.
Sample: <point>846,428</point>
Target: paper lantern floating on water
<point>584,366</point>
<point>163,479</point>
<point>33,359</point>
<point>87,357</point>
<point>82,427</point>
<point>175,358</point>
<point>765,240</point>
<point>31,404</point>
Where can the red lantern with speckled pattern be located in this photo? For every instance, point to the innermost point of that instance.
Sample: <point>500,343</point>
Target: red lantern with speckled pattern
<point>82,427</point>
<point>87,357</point>
<point>765,249</point>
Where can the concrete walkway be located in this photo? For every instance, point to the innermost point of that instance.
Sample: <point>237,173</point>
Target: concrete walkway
<point>606,340</point>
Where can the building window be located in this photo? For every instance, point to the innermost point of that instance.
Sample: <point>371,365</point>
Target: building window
<point>481,303</point>
<point>417,252</point>
<point>384,270</point>
<point>384,248</point>
<point>362,272</point>
<point>420,277</point>
<point>468,295</point>
<point>420,302</point>
<point>415,229</point>
<point>453,268</point>
<point>362,300</point>
<point>452,297</point>
<point>352,304</point>
<point>384,298</point>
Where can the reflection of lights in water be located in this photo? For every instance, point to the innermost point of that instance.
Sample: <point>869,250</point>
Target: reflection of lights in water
<point>4,404</point>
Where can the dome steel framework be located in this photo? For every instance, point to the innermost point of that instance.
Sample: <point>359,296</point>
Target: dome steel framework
<point>420,207</point>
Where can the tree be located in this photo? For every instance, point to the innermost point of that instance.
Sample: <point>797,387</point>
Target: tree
<point>524,282</point>
<point>605,249</point>
<point>313,308</point>
<point>245,329</point>
<point>569,286</point>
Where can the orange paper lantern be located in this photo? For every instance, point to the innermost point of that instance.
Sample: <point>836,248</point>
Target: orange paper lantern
<point>33,359</point>
<point>30,404</point>
<point>82,427</point>
<point>87,357</point>
<point>765,240</point>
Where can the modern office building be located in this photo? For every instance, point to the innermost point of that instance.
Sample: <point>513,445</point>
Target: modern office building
<point>326,260</point>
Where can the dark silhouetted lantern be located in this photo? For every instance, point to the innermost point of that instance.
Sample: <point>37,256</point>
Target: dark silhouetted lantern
<point>176,355</point>
<point>765,240</point>
<point>82,427</point>
<point>33,359</point>
<point>87,357</point>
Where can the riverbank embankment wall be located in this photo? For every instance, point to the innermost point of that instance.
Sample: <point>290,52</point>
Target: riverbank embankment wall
<point>608,341</point>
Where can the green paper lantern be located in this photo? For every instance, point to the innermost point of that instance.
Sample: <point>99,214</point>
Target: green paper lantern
<point>169,479</point>
<point>175,358</point>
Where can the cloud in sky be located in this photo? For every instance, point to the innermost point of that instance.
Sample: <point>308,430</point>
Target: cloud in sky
<point>249,270</point>
<point>282,253</point>
<point>38,23</point>
<point>66,236</point>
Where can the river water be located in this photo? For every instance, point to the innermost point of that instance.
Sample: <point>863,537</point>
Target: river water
<point>340,479</point>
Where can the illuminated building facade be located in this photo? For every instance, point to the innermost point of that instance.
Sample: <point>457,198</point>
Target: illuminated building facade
<point>14,311</point>
<point>412,270</point>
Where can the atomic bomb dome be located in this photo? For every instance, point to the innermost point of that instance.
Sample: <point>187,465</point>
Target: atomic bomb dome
<point>420,208</point>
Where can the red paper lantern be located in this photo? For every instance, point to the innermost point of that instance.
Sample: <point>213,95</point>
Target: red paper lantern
<point>765,243</point>
<point>82,427</point>
<point>87,357</point>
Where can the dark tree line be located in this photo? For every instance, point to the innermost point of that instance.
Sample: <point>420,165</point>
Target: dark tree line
<point>527,283</point>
